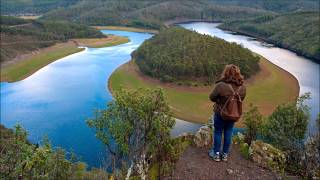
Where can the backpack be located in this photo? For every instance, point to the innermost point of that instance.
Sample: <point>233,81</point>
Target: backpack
<point>232,109</point>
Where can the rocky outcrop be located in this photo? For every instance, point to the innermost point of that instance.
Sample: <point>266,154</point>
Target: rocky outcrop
<point>202,138</point>
<point>267,156</point>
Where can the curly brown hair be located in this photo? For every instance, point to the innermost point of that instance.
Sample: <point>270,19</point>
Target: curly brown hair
<point>232,74</point>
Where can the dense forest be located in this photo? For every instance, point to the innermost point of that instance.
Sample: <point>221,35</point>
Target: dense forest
<point>35,7</point>
<point>148,14</point>
<point>177,54</point>
<point>284,29</point>
<point>19,36</point>
<point>280,6</point>
<point>296,31</point>
<point>278,22</point>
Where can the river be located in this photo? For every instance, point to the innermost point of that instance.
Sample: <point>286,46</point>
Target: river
<point>304,70</point>
<point>58,99</point>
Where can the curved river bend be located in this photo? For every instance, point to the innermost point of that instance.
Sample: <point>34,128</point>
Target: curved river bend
<point>56,100</point>
<point>306,71</point>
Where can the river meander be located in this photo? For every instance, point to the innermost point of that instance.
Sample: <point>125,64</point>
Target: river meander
<point>58,99</point>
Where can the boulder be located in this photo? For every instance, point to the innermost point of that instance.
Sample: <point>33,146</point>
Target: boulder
<point>186,136</point>
<point>267,156</point>
<point>238,139</point>
<point>203,137</point>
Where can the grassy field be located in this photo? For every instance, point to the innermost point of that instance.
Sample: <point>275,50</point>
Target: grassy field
<point>27,64</point>
<point>123,28</point>
<point>269,88</point>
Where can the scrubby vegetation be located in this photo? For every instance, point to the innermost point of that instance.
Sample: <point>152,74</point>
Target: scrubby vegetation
<point>19,159</point>
<point>13,7</point>
<point>136,130</point>
<point>286,129</point>
<point>148,14</point>
<point>42,6</point>
<point>274,5</point>
<point>253,121</point>
<point>10,21</point>
<point>177,54</point>
<point>297,31</point>
<point>19,36</point>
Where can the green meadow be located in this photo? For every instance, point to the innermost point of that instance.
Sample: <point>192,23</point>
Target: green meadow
<point>270,87</point>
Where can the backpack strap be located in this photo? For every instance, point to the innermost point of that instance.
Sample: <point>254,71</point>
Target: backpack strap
<point>235,92</point>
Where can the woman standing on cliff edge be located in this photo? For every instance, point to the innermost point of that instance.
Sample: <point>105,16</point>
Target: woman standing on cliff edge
<point>228,94</point>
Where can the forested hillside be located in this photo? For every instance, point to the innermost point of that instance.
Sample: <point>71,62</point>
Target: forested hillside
<point>284,23</point>
<point>149,14</point>
<point>18,7</point>
<point>20,36</point>
<point>296,31</point>
<point>281,6</point>
<point>177,54</point>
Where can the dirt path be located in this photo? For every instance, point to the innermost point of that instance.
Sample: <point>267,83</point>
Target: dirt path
<point>195,164</point>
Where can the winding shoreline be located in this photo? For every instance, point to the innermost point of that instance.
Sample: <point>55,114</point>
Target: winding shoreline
<point>275,44</point>
<point>239,32</point>
<point>25,65</point>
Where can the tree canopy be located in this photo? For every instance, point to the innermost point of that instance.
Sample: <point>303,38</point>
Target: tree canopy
<point>135,127</point>
<point>177,54</point>
<point>296,31</point>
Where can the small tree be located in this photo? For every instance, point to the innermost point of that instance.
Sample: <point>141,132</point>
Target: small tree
<point>135,125</point>
<point>286,127</point>
<point>253,121</point>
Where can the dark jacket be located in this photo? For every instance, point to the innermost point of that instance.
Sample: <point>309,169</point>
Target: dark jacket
<point>222,91</point>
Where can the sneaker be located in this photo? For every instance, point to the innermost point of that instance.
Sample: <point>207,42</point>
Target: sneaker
<point>215,156</point>
<point>224,157</point>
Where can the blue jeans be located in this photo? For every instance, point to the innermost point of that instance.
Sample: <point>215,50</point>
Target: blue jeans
<point>222,126</point>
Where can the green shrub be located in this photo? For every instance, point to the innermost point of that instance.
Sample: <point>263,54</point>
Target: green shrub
<point>285,128</point>
<point>139,123</point>
<point>21,159</point>
<point>253,121</point>
<point>244,150</point>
